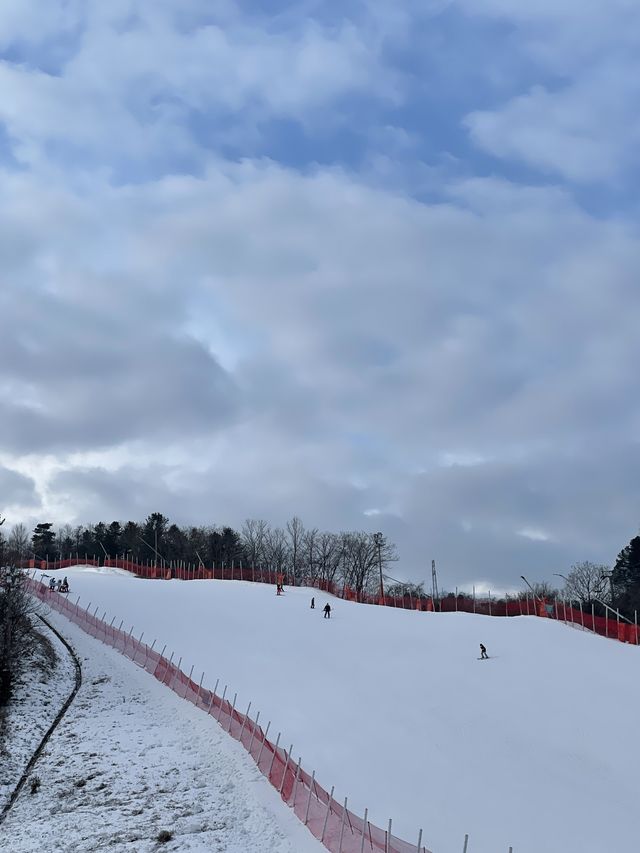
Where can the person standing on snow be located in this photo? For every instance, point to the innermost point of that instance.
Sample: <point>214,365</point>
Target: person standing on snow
<point>483,653</point>
<point>313,604</point>
<point>327,611</point>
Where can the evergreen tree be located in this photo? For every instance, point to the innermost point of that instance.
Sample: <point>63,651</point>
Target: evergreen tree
<point>626,577</point>
<point>43,541</point>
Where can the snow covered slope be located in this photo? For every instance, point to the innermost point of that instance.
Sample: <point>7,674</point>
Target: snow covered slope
<point>130,760</point>
<point>534,748</point>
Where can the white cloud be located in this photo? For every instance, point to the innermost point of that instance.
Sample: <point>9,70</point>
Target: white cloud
<point>253,340</point>
<point>575,121</point>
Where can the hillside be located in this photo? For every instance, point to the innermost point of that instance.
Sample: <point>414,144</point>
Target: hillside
<point>394,708</point>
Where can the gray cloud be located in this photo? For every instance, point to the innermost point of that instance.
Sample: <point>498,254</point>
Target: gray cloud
<point>256,340</point>
<point>16,489</point>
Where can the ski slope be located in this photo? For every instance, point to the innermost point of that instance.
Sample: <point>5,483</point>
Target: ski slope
<point>534,748</point>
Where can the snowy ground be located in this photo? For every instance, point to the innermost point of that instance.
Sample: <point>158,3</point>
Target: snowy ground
<point>39,693</point>
<point>131,759</point>
<point>394,708</point>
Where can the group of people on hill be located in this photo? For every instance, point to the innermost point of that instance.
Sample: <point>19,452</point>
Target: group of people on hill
<point>59,585</point>
<point>326,609</point>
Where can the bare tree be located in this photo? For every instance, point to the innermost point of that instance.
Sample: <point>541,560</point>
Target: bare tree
<point>310,547</point>
<point>276,550</point>
<point>360,560</point>
<point>295,529</point>
<point>328,556</point>
<point>253,536</point>
<point>66,540</point>
<point>18,544</point>
<point>588,582</point>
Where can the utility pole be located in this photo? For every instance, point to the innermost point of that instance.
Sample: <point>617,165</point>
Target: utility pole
<point>434,584</point>
<point>378,538</point>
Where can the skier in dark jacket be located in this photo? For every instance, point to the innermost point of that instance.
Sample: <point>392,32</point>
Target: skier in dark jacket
<point>483,653</point>
<point>327,611</point>
<point>313,604</point>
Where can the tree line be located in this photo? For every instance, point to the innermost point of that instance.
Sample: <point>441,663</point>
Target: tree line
<point>299,553</point>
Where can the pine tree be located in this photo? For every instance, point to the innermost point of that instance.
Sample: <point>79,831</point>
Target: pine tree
<point>626,577</point>
<point>43,541</point>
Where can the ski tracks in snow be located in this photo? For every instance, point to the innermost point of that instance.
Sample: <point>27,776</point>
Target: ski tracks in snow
<point>131,760</point>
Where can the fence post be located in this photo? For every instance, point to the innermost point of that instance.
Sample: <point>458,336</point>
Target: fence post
<point>306,813</point>
<point>273,757</point>
<point>364,830</point>
<point>264,737</point>
<point>581,615</point>
<point>200,687</point>
<point>593,617</point>
<point>186,686</point>
<point>387,842</point>
<point>224,693</point>
<point>295,783</point>
<point>233,707</point>
<point>253,731</point>
<point>326,817</point>
<point>466,841</point>
<point>344,811</point>
<point>244,722</point>
<point>286,767</point>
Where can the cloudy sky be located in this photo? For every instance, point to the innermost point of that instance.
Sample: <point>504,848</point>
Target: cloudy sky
<point>371,263</point>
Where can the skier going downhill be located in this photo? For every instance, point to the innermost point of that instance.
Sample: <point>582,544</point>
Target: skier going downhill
<point>313,604</point>
<point>483,653</point>
<point>327,611</point>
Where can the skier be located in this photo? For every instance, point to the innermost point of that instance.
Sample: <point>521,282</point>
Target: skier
<point>327,611</point>
<point>313,604</point>
<point>58,585</point>
<point>65,586</point>
<point>52,583</point>
<point>483,653</point>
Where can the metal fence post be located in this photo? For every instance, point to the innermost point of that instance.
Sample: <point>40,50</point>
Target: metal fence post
<point>344,811</point>
<point>224,693</point>
<point>326,817</point>
<point>364,830</point>
<point>244,723</point>
<point>286,767</point>
<point>466,841</point>
<point>273,757</point>
<point>264,737</point>
<point>306,814</point>
<point>233,707</point>
<point>253,731</point>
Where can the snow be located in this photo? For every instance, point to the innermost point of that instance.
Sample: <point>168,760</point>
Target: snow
<point>394,708</point>
<point>131,759</point>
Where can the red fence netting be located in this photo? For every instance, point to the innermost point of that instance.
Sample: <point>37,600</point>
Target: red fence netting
<point>332,823</point>
<point>607,626</point>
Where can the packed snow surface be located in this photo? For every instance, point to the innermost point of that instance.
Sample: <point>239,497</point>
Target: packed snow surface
<point>130,760</point>
<point>534,748</point>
